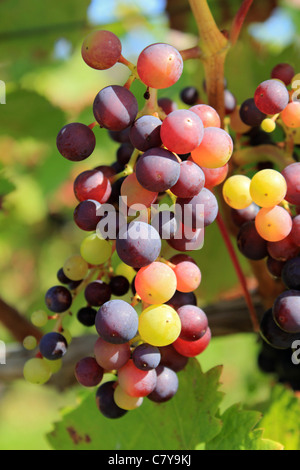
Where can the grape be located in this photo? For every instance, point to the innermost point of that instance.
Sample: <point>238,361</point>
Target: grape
<point>145,133</point>
<point>172,359</point>
<point>106,403</point>
<point>157,170</point>
<point>182,298</point>
<point>36,371</point>
<point>138,244</point>
<point>159,325</point>
<point>250,114</point>
<point>75,268</point>
<point>146,357</point>
<point>240,216</point>
<point>124,153</point>
<point>133,192</point>
<point>236,191</point>
<point>271,97</point>
<point>188,276</point>
<point>268,188</point>
<point>126,402</point>
<point>165,223</point>
<point>167,105</point>
<point>268,125</point>
<point>215,149</point>
<point>275,267</point>
<point>107,171</point>
<point>136,382</point>
<point>166,385</point>
<point>283,72</point>
<point>189,95</point>
<point>199,211</point>
<point>101,49</point>
<point>76,141</point>
<point>86,316</point>
<point>85,215</point>
<point>97,293</point>
<point>250,243</point>
<point>74,284</point>
<point>115,108</point>
<point>111,356</point>
<point>159,66</point>
<point>39,318</point>
<point>236,123</point>
<point>53,346</point>
<point>273,335</point>
<point>193,348</point>
<point>291,273</point>
<point>92,184</point>
<point>119,285</point>
<point>295,232</point>
<point>229,101</point>
<point>180,257</point>
<point>291,115</point>
<point>190,182</point>
<point>194,322</point>
<point>215,176</point>
<point>88,372</point>
<point>116,322</point>
<point>29,343</point>
<point>291,174</point>
<point>155,283</point>
<point>284,249</point>
<point>273,224</point>
<point>124,270</point>
<point>120,136</point>
<point>62,277</point>
<point>182,131</point>
<point>95,250</point>
<point>58,299</point>
<point>187,239</point>
<point>55,366</point>
<point>286,311</point>
<point>207,114</point>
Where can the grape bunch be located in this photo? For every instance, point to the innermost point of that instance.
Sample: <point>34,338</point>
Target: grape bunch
<point>159,190</point>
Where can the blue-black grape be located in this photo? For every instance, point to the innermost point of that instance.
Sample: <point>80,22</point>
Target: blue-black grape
<point>145,133</point>
<point>119,285</point>
<point>157,170</point>
<point>97,293</point>
<point>105,401</point>
<point>250,243</point>
<point>274,335</point>
<point>146,357</point>
<point>58,299</point>
<point>85,215</point>
<point>172,359</point>
<point>291,273</point>
<point>86,316</point>
<point>76,141</point>
<point>53,346</point>
<point>286,311</point>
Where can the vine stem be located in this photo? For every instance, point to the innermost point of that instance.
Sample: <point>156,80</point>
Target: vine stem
<point>239,271</point>
<point>239,21</point>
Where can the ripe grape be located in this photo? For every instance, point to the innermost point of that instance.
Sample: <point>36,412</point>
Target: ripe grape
<point>194,322</point>
<point>155,283</point>
<point>215,176</point>
<point>88,372</point>
<point>198,211</point>
<point>236,191</point>
<point>167,105</point>
<point>250,114</point>
<point>159,325</point>
<point>85,215</point>
<point>166,385</point>
<point>193,348</point>
<point>36,371</point>
<point>172,359</point>
<point>145,133</point>
<point>182,131</point>
<point>111,356</point>
<point>97,293</point>
<point>119,285</point>
<point>53,346</point>
<point>75,268</point>
<point>76,142</point>
<point>126,402</point>
<point>295,232</point>
<point>190,182</point>
<point>291,273</point>
<point>188,276</point>
<point>159,65</point>
<point>230,102</point>
<point>271,97</point>
<point>189,95</point>
<point>283,72</point>
<point>58,299</point>
<point>273,335</point>
<point>273,224</point>
<point>132,192</point>
<point>165,223</point>
<point>115,108</point>
<point>106,403</point>
<point>95,250</point>
<point>250,243</point>
<point>136,382</point>
<point>291,115</point>
<point>146,357</point>
<point>291,173</point>
<point>116,322</point>
<point>240,216</point>
<point>286,311</point>
<point>275,267</point>
<point>187,239</point>
<point>101,49</point>
<point>157,170</point>
<point>86,316</point>
<point>182,298</point>
<point>207,114</point>
<point>215,149</point>
<point>268,188</point>
<point>284,249</point>
<point>92,184</point>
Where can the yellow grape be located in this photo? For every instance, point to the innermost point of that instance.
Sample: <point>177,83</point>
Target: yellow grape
<point>37,371</point>
<point>268,188</point>
<point>159,325</point>
<point>75,268</point>
<point>124,401</point>
<point>268,125</point>
<point>273,223</point>
<point>156,283</point>
<point>236,191</point>
<point>95,250</point>
<point>127,271</point>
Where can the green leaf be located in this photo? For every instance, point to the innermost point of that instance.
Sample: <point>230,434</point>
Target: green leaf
<point>6,186</point>
<point>281,419</point>
<point>239,432</point>
<point>181,423</point>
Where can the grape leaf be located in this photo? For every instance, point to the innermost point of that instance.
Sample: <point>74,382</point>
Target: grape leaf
<point>6,186</point>
<point>180,424</point>
<point>239,432</point>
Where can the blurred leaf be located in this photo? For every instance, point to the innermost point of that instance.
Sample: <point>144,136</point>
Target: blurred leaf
<point>181,423</point>
<point>6,186</point>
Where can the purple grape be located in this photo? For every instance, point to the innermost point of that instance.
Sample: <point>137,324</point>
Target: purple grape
<point>199,211</point>
<point>250,114</point>
<point>124,153</point>
<point>273,335</point>
<point>165,223</point>
<point>275,267</point>
<point>62,277</point>
<point>190,182</point>
<point>271,97</point>
<point>229,101</point>
<point>105,401</point>
<point>291,273</point>
<point>117,322</point>
<point>58,299</point>
<point>146,357</point>
<point>241,216</point>
<point>86,316</point>
<point>76,141</point>
<point>286,311</point>
<point>157,170</point>
<point>182,298</point>
<point>250,243</point>
<point>115,108</point>
<point>88,372</point>
<point>172,359</point>
<point>283,72</point>
<point>145,133</point>
<point>189,95</point>
<point>187,239</point>
<point>85,215</point>
<point>97,293</point>
<point>194,322</point>
<point>291,174</point>
<point>119,285</point>
<point>138,244</point>
<point>53,346</point>
<point>166,385</point>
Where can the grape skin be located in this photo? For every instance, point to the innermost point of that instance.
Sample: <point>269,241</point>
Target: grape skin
<point>76,141</point>
<point>116,322</point>
<point>101,49</point>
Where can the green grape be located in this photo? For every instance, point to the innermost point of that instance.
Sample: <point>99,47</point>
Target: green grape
<point>36,371</point>
<point>54,366</point>
<point>39,318</point>
<point>236,191</point>
<point>127,271</point>
<point>95,250</point>
<point>268,188</point>
<point>30,343</point>
<point>159,325</point>
<point>75,268</point>
<point>126,402</point>
<point>67,334</point>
